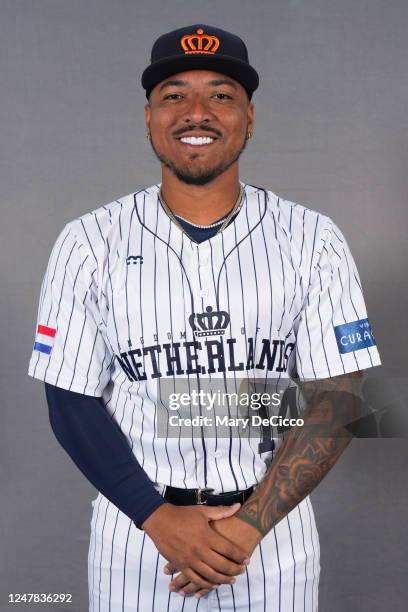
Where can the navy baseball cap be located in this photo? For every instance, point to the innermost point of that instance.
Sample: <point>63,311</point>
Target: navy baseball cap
<point>200,47</point>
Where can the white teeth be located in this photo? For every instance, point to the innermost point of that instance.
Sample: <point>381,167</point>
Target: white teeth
<point>194,140</point>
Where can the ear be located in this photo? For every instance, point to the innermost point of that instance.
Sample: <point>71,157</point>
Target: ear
<point>147,115</point>
<point>250,117</point>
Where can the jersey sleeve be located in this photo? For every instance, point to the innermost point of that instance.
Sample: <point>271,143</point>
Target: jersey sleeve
<point>70,348</point>
<point>334,335</point>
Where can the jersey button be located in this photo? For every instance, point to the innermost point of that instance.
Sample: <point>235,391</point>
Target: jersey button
<point>204,293</point>
<point>204,261</point>
<point>218,454</point>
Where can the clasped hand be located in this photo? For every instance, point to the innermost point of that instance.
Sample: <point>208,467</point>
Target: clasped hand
<point>206,544</point>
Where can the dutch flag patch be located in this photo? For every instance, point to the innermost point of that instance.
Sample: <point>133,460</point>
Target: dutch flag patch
<point>44,339</point>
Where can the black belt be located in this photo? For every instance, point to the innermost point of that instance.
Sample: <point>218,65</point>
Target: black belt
<point>192,497</point>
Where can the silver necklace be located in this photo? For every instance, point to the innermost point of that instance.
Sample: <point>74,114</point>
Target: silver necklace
<point>222,223</point>
<point>201,226</point>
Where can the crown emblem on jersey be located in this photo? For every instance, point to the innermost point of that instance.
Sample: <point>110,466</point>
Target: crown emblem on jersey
<point>209,323</point>
<point>199,43</point>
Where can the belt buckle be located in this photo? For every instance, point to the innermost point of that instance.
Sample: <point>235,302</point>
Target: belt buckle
<point>200,501</point>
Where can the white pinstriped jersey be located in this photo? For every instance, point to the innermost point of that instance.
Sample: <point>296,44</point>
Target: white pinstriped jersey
<point>128,300</point>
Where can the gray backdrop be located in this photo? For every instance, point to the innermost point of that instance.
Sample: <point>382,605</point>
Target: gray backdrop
<point>330,133</point>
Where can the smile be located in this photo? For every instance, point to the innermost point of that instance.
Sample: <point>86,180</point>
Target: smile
<point>197,141</point>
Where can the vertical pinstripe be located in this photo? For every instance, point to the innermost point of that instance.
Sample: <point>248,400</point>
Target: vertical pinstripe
<point>227,291</point>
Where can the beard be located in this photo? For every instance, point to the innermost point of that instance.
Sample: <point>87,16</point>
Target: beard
<point>199,176</point>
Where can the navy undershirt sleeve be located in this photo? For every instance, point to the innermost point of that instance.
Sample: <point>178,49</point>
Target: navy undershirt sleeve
<point>95,443</point>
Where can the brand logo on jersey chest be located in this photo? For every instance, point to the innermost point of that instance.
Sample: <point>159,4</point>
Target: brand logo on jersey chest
<point>134,259</point>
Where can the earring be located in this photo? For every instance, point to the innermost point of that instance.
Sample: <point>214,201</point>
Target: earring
<point>249,135</point>
<point>147,135</point>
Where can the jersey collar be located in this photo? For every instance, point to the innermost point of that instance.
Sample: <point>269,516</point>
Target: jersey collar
<point>152,216</point>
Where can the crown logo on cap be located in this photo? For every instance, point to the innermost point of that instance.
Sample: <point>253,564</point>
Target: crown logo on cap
<point>200,43</point>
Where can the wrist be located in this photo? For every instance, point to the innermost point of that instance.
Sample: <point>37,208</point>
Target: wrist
<point>156,518</point>
<point>247,515</point>
<point>251,535</point>
<point>239,532</point>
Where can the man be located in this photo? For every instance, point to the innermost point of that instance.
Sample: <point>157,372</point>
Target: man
<point>201,279</point>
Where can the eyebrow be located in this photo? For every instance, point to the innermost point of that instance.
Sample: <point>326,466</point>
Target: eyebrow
<point>213,83</point>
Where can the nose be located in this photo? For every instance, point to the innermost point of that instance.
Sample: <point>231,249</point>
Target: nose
<point>198,110</point>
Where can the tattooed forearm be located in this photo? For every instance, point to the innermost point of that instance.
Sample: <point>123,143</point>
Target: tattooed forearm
<point>307,453</point>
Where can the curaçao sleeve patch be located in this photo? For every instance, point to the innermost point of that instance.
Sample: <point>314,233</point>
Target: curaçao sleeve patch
<point>44,339</point>
<point>354,336</point>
